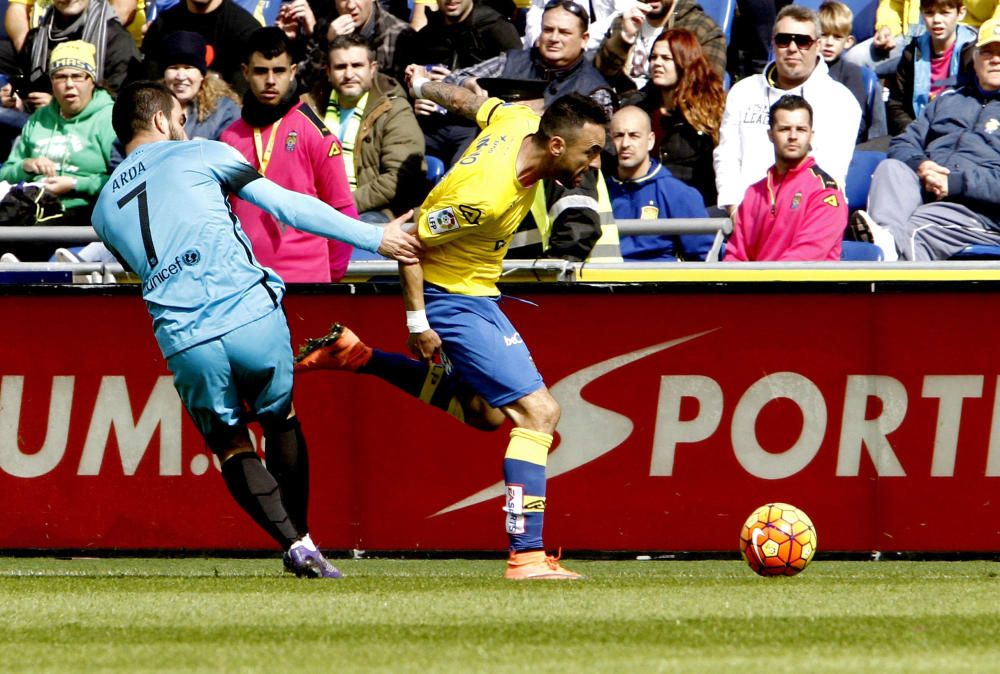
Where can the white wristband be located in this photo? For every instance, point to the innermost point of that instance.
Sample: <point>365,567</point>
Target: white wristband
<point>416,322</point>
<point>417,84</point>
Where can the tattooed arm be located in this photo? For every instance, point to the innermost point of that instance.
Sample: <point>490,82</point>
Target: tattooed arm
<point>456,99</point>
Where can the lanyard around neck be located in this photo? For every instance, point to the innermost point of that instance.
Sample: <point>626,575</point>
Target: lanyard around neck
<point>264,153</point>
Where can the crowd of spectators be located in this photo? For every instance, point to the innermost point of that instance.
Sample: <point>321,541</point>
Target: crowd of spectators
<point>313,93</point>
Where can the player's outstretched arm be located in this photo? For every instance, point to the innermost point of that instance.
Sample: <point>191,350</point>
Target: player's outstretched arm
<point>458,100</point>
<point>398,240</point>
<point>312,215</point>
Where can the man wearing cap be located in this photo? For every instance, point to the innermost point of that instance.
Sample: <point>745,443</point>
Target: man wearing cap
<point>937,192</point>
<point>67,144</point>
<point>287,142</point>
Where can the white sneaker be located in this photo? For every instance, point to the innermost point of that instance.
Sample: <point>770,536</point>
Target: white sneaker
<point>866,229</point>
<point>9,258</point>
<point>66,255</point>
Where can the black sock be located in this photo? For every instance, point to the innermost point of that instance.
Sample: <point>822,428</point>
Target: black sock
<point>415,377</point>
<point>288,461</point>
<point>258,494</point>
<point>401,371</point>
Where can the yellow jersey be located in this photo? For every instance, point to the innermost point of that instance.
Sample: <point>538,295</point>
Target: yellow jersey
<point>469,218</point>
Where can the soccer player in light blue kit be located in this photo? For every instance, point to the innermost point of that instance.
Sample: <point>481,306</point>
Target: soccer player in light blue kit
<point>216,311</point>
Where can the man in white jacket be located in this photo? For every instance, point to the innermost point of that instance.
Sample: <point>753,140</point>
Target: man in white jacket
<point>744,152</point>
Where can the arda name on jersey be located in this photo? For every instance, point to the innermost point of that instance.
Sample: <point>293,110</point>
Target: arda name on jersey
<point>128,175</point>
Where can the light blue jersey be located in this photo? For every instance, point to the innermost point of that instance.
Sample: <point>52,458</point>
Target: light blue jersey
<point>164,213</point>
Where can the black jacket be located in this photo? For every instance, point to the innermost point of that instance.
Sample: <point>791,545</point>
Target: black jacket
<point>482,35</point>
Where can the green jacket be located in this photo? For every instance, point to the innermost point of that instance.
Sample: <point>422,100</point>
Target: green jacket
<point>79,146</point>
<point>388,152</point>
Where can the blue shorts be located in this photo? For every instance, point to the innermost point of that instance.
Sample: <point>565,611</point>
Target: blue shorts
<point>248,367</point>
<point>482,345</point>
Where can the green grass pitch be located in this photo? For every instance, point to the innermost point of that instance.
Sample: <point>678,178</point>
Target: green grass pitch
<point>245,615</point>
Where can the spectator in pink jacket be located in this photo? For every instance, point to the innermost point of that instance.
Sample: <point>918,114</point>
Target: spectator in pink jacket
<point>797,212</point>
<point>288,143</point>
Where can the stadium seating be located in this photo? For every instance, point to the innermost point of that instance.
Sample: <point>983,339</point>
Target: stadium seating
<point>864,15</point>
<point>864,18</point>
<point>722,12</point>
<point>435,170</point>
<point>860,251</point>
<point>873,91</point>
<point>859,177</point>
<point>978,252</point>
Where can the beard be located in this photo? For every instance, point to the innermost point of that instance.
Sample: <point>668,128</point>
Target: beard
<point>665,6</point>
<point>177,132</point>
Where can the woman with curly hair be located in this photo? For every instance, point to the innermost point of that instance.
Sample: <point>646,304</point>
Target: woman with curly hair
<point>684,99</point>
<point>209,103</point>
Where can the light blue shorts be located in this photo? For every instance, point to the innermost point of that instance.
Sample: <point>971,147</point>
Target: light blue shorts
<point>482,345</point>
<point>250,367</point>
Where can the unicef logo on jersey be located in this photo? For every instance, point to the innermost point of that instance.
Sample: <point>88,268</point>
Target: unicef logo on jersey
<point>191,257</point>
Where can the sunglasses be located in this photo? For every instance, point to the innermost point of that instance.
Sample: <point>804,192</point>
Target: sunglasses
<point>801,41</point>
<point>571,7</point>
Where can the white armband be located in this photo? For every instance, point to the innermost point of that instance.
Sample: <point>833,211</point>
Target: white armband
<point>417,85</point>
<point>416,322</point>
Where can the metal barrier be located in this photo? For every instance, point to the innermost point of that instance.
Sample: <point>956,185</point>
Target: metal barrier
<point>555,270</point>
<point>60,234</point>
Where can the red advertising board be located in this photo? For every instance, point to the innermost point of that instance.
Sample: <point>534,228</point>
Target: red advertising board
<point>682,410</point>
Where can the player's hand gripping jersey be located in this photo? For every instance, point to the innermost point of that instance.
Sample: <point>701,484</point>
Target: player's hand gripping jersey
<point>467,221</point>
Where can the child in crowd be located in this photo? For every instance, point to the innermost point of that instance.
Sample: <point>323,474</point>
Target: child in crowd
<point>930,63</point>
<point>836,19</point>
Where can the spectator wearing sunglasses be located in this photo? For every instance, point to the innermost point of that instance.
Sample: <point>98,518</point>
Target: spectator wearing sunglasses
<point>744,152</point>
<point>602,13</point>
<point>623,56</point>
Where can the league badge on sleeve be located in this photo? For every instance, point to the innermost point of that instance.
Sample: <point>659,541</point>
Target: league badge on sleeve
<point>442,220</point>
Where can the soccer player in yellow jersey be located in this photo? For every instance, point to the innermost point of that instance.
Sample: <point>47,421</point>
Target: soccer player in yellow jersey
<point>452,302</point>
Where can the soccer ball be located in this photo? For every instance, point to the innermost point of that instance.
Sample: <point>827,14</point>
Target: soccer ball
<point>778,540</point>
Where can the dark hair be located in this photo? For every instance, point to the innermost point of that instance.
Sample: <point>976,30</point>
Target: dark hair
<point>699,93</point>
<point>136,105</point>
<point>789,102</point>
<point>352,40</point>
<point>567,115</point>
<point>574,8</point>
<point>270,42</point>
<point>931,5</point>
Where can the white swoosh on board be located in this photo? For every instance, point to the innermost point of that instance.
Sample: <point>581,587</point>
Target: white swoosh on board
<point>587,431</point>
